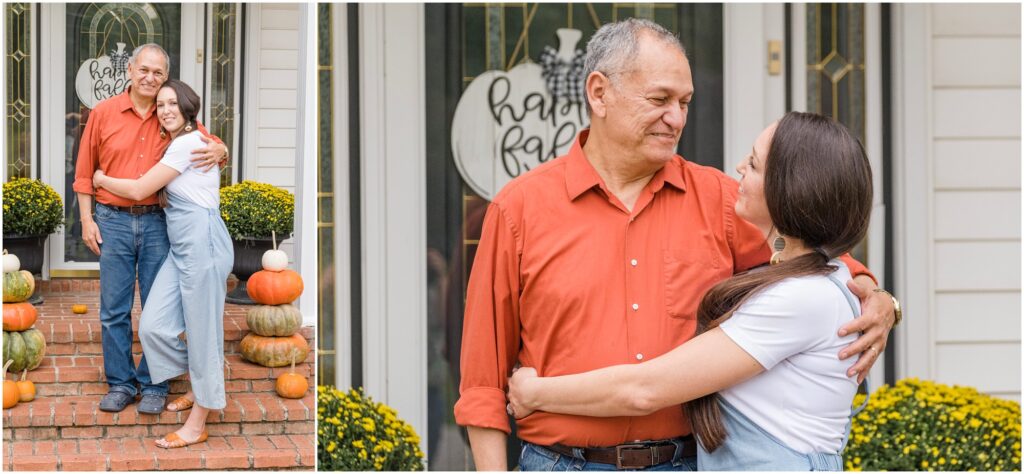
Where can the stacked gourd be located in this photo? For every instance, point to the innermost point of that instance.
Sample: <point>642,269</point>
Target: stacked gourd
<point>24,345</point>
<point>275,340</point>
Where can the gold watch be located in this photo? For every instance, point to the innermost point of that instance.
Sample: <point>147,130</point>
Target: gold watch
<point>897,310</point>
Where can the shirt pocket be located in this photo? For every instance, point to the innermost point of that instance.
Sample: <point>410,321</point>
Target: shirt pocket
<point>688,274</point>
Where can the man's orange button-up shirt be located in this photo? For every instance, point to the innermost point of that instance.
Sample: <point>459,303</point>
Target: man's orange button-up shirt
<point>121,142</point>
<point>567,280</point>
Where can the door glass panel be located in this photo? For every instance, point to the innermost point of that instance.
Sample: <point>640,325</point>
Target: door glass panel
<point>836,71</point>
<point>463,42</point>
<point>224,80</point>
<point>18,55</point>
<point>326,345</point>
<point>104,35</point>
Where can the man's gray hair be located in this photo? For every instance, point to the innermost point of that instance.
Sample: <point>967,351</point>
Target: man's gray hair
<point>158,48</point>
<point>614,46</point>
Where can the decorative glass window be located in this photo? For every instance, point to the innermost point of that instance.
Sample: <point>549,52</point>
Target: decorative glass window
<point>835,63</point>
<point>224,80</point>
<point>18,17</point>
<point>326,345</point>
<point>835,70</point>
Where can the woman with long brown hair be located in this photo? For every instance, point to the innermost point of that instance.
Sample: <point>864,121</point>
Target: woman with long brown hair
<point>762,383</point>
<point>188,292</point>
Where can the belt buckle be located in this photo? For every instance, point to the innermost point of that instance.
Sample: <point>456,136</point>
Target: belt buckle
<point>132,210</point>
<point>622,447</point>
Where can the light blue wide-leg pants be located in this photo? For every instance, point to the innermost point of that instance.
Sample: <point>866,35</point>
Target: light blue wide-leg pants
<point>188,296</point>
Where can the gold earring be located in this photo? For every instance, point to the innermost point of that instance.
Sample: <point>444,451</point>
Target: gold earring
<point>779,244</point>
<point>163,133</point>
<point>188,128</point>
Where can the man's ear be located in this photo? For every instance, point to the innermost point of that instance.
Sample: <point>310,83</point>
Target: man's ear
<point>597,93</point>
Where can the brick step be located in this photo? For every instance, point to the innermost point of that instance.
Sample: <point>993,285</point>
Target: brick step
<point>79,417</point>
<point>85,330</point>
<point>83,375</point>
<point>219,452</point>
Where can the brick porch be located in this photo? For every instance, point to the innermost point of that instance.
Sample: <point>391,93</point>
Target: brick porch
<point>63,429</point>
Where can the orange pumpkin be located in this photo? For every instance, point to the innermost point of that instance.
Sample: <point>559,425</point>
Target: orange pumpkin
<point>79,309</point>
<point>273,288</point>
<point>11,395</point>
<point>26,389</point>
<point>291,385</point>
<point>273,351</point>
<point>19,316</point>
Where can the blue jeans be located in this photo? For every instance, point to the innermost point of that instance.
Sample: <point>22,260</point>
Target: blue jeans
<point>539,458</point>
<point>130,244</point>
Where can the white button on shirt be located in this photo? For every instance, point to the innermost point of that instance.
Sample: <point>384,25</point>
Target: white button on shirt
<point>639,357</point>
<point>636,306</point>
<point>633,262</point>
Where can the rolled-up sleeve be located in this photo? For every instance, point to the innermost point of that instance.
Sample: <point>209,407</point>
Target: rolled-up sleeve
<point>88,155</point>
<point>490,337</point>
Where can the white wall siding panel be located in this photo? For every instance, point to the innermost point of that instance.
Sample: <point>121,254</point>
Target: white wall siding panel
<point>977,113</point>
<point>280,39</point>
<point>280,78</point>
<point>974,62</point>
<point>978,317</point>
<point>977,164</point>
<point>990,367</point>
<point>277,157</point>
<point>273,118</point>
<point>966,19</point>
<point>985,215</point>
<point>283,177</point>
<point>276,138</point>
<point>273,93</point>
<point>278,99</point>
<point>982,266</point>
<point>280,17</point>
<point>278,59</point>
<point>973,83</point>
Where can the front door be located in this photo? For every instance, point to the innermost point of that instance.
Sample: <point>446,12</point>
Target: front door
<point>86,48</point>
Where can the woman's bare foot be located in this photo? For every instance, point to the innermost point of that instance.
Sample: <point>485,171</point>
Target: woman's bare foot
<point>194,430</point>
<point>182,403</point>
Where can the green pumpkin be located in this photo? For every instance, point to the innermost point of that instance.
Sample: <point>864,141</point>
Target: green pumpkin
<point>279,320</point>
<point>18,286</point>
<point>24,348</point>
<point>273,351</point>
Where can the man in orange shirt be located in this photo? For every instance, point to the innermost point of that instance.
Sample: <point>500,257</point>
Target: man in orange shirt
<point>600,257</point>
<point>124,139</point>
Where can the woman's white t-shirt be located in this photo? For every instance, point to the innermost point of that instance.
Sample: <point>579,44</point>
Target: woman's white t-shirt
<point>803,398</point>
<point>194,184</point>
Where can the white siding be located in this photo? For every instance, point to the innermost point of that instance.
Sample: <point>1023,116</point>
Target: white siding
<point>975,197</point>
<point>272,59</point>
<point>274,53</point>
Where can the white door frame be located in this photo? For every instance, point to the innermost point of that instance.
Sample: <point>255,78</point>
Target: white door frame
<point>306,170</point>
<point>393,119</point>
<point>913,175</point>
<point>52,66</point>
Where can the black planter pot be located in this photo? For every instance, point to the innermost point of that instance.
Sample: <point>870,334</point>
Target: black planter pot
<point>248,260</point>
<point>30,251</point>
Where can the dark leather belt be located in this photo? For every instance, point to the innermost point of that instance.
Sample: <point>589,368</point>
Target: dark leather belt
<point>136,210</point>
<point>633,455</point>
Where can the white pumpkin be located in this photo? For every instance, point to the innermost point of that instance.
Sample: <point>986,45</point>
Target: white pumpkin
<point>11,262</point>
<point>275,260</point>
